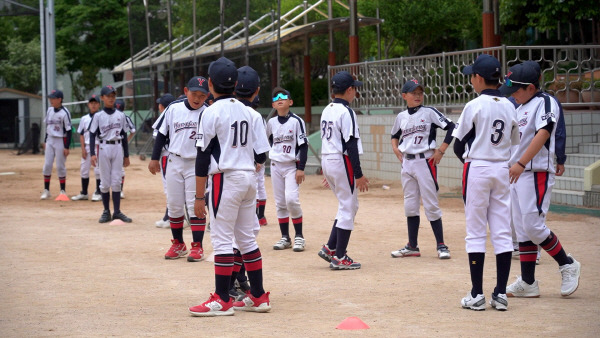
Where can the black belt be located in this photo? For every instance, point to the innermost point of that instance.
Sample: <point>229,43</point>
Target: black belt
<point>413,156</point>
<point>111,142</point>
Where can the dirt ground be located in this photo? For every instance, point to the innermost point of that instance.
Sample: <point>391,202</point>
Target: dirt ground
<point>64,274</point>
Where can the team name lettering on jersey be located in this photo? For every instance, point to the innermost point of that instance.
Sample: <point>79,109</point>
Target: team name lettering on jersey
<point>412,130</point>
<point>185,125</point>
<point>110,126</point>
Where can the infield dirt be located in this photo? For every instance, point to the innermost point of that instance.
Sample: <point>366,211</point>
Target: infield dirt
<point>64,274</point>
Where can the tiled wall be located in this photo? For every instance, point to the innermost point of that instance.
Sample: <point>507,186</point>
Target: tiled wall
<point>379,161</point>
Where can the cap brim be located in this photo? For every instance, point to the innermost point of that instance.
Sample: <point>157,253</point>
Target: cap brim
<point>508,91</point>
<point>358,83</point>
<point>468,70</point>
<point>158,100</point>
<point>198,89</point>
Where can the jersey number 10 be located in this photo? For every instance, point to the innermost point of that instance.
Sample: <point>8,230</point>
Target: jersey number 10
<point>241,132</point>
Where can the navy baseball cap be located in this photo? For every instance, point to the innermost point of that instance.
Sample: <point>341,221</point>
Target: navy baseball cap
<point>248,81</point>
<point>519,76</point>
<point>411,85</point>
<point>278,90</point>
<point>344,80</point>
<point>485,66</point>
<point>198,84</point>
<point>223,73</point>
<point>120,104</point>
<point>55,94</point>
<point>166,99</point>
<point>94,97</point>
<point>107,90</point>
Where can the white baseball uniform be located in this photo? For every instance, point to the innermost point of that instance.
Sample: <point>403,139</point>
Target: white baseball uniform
<point>131,126</point>
<point>287,134</point>
<point>415,129</point>
<point>338,125</point>
<point>58,122</point>
<point>164,154</point>
<point>233,134</point>
<point>530,196</point>
<point>489,128</point>
<point>180,126</point>
<point>107,125</point>
<point>86,162</point>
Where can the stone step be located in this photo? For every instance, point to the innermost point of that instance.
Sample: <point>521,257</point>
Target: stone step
<point>569,197</point>
<point>582,159</point>
<point>589,148</point>
<point>568,183</point>
<point>574,171</point>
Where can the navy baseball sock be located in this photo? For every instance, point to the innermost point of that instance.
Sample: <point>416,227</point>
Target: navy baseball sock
<point>46,182</point>
<point>116,197</point>
<point>166,216</point>
<point>284,226</point>
<point>476,260</point>
<point>438,231</point>
<point>260,210</point>
<point>332,242</point>
<point>413,230</point>
<point>343,237</point>
<point>223,270</point>
<point>527,256</point>
<point>63,182</point>
<point>98,186</point>
<point>198,225</point>
<point>298,226</point>
<point>238,263</point>
<point>106,200</point>
<point>502,271</point>
<point>253,263</point>
<point>85,182</point>
<point>177,228</point>
<point>554,248</point>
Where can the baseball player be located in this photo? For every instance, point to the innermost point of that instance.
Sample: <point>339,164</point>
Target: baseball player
<point>56,144</point>
<point>163,103</point>
<point>179,126</point>
<point>261,191</point>
<point>340,150</point>
<point>120,105</point>
<point>485,132</point>
<point>532,174</point>
<point>413,142</point>
<point>230,140</point>
<point>288,154</point>
<point>84,139</point>
<point>110,127</point>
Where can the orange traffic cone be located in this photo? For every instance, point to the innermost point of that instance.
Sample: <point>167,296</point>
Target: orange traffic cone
<point>117,222</point>
<point>352,323</point>
<point>62,197</point>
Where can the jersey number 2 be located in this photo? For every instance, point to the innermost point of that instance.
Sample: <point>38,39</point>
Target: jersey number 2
<point>242,131</point>
<point>498,131</point>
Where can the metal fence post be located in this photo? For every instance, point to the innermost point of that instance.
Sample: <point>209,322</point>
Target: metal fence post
<point>444,81</point>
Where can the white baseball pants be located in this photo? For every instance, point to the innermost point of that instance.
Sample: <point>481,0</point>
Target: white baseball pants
<point>54,150</point>
<point>530,199</point>
<point>285,189</point>
<point>419,182</point>
<point>340,177</point>
<point>181,185</point>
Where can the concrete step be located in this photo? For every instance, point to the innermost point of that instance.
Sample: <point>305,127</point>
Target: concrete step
<point>582,159</point>
<point>569,197</point>
<point>575,171</point>
<point>568,183</point>
<point>589,148</point>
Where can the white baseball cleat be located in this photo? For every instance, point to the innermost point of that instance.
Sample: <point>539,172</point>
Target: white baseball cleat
<point>79,197</point>
<point>570,277</point>
<point>163,224</point>
<point>96,197</point>
<point>45,194</point>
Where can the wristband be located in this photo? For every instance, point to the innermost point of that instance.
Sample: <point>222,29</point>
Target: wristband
<point>199,198</point>
<point>521,164</point>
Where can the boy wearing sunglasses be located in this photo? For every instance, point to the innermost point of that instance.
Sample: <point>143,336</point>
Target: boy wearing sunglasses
<point>532,178</point>
<point>288,154</point>
<point>484,135</point>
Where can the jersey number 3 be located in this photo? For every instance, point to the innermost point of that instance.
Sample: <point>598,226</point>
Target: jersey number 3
<point>326,129</point>
<point>498,134</point>
<point>241,132</point>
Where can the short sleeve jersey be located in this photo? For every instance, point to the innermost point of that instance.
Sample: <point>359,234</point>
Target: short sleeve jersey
<point>416,129</point>
<point>82,129</point>
<point>338,125</point>
<point>234,134</point>
<point>57,122</point>
<point>159,121</point>
<point>533,116</point>
<point>287,137</point>
<point>488,125</point>
<point>180,126</point>
<point>109,126</point>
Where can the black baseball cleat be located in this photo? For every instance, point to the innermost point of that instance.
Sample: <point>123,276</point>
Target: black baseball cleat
<point>105,218</point>
<point>122,217</point>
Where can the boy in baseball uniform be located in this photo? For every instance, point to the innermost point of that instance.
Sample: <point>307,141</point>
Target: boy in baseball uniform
<point>340,150</point>
<point>109,126</point>
<point>532,174</point>
<point>120,105</point>
<point>179,126</point>
<point>163,103</point>
<point>84,139</point>
<point>230,140</point>
<point>413,142</point>
<point>485,133</point>
<point>56,145</point>
<point>288,154</point>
